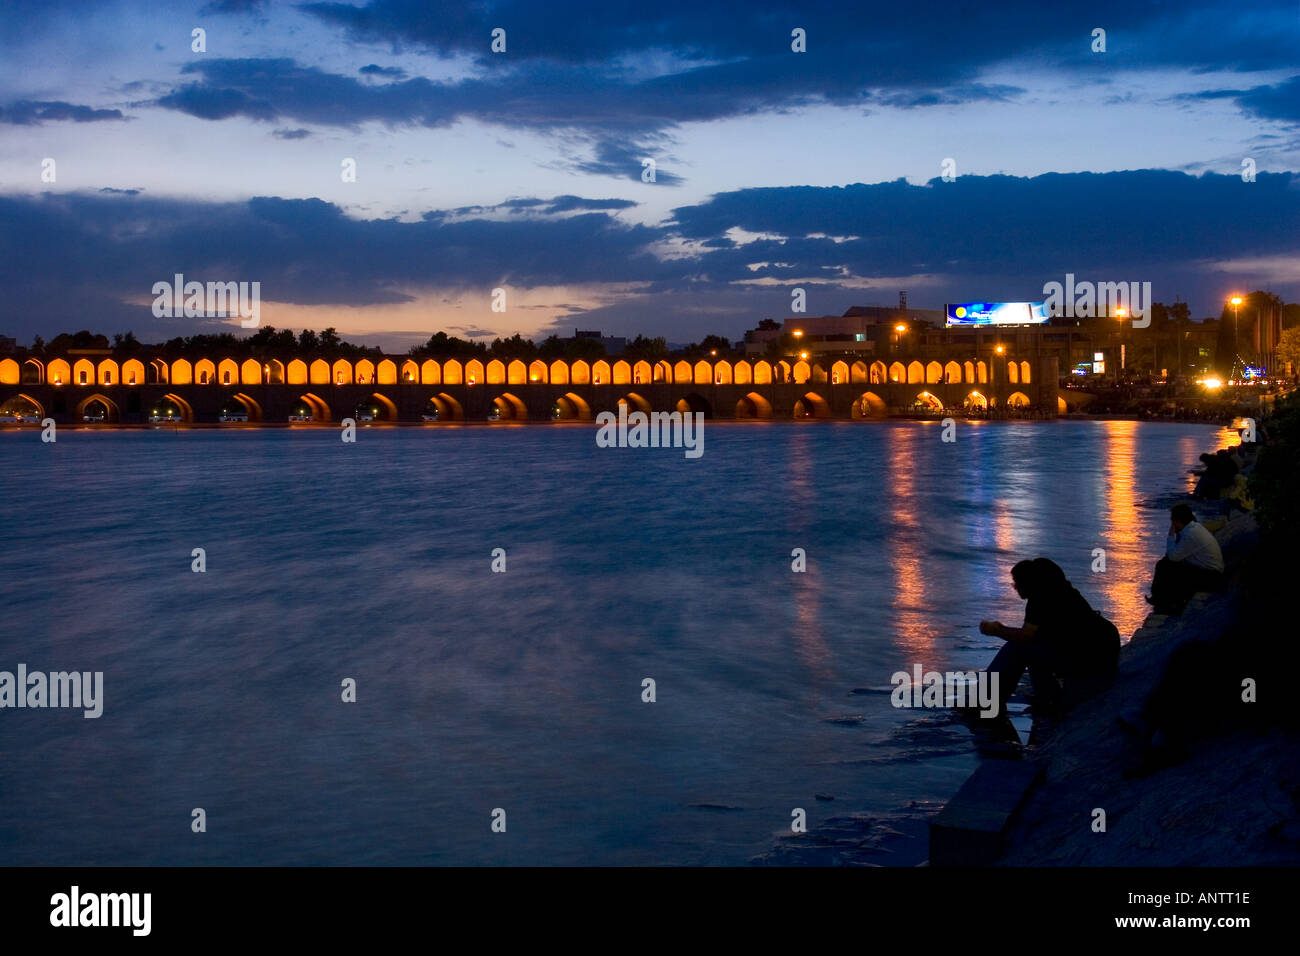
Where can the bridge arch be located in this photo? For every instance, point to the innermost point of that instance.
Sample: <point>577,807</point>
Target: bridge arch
<point>111,411</point>
<point>812,405</point>
<point>642,373</point>
<point>250,372</point>
<point>1013,373</point>
<point>228,372</point>
<point>579,373</point>
<point>695,403</point>
<point>185,409</point>
<point>839,372</point>
<point>915,373</point>
<point>663,372</point>
<point>341,372</point>
<point>559,373</point>
<point>600,373</point>
<point>1024,373</point>
<point>981,373</point>
<point>516,373</point>
<point>969,369</point>
<point>635,402</point>
<point>621,373</point>
<point>869,405</point>
<point>754,405</point>
<point>879,373</point>
<point>976,401</point>
<point>131,373</point>
<point>83,372</point>
<point>702,374</point>
<point>430,373</point>
<point>454,411</point>
<point>387,404</point>
<point>10,373</point>
<point>320,410</point>
<point>386,372</point>
<point>296,373</point>
<point>364,370</point>
<point>743,373</point>
<point>319,372</point>
<point>474,372</point>
<point>571,407</point>
<point>33,371</point>
<point>682,373</point>
<point>1017,400</point>
<point>897,372</point>
<point>952,373</point>
<point>538,372</point>
<point>452,373</point>
<point>410,372</point>
<point>510,407</point>
<point>251,407</point>
<point>802,372</point>
<point>859,372</point>
<point>929,400</point>
<point>933,373</point>
<point>14,403</point>
<point>722,373</point>
<point>59,372</point>
<point>762,373</point>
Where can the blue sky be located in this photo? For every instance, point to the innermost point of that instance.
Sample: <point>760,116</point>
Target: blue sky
<point>775,169</point>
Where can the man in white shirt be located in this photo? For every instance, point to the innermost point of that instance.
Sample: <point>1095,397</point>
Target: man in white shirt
<point>1192,562</point>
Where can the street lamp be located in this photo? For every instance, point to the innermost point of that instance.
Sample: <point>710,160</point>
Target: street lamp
<point>1120,313</point>
<point>1236,348</point>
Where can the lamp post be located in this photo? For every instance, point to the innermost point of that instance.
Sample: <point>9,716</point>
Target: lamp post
<point>1121,313</point>
<point>1236,348</point>
<point>993,372</point>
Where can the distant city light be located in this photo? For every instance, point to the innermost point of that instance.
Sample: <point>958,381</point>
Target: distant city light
<point>1212,383</point>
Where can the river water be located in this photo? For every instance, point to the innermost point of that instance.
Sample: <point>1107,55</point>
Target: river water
<point>522,691</point>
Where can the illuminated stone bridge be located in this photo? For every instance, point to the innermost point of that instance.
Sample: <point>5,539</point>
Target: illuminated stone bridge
<point>403,389</point>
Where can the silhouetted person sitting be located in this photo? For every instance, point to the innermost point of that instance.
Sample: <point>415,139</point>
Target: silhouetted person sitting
<point>1062,637</point>
<point>1220,470</point>
<point>1192,562</point>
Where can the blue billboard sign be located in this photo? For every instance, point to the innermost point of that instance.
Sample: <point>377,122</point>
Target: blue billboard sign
<point>996,313</point>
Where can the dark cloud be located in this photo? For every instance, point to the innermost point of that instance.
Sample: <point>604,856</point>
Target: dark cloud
<point>234,6</point>
<point>993,237</point>
<point>291,133</point>
<point>903,43</point>
<point>34,113</point>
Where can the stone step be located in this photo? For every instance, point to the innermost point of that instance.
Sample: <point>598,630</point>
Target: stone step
<point>969,830</point>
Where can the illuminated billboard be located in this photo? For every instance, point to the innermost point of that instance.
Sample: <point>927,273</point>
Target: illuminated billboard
<point>996,313</point>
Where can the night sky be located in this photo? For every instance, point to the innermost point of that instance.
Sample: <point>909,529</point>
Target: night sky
<point>774,169</point>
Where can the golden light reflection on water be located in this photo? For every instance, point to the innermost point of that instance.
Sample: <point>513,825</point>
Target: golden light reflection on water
<point>914,624</point>
<point>810,643</point>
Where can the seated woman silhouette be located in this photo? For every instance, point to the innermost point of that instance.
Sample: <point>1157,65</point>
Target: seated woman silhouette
<point>1062,637</point>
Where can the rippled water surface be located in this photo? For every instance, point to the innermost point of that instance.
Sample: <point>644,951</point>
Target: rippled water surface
<point>522,690</point>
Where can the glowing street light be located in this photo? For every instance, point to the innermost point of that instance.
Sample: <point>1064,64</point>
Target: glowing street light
<point>900,328</point>
<point>803,355</point>
<point>798,333</point>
